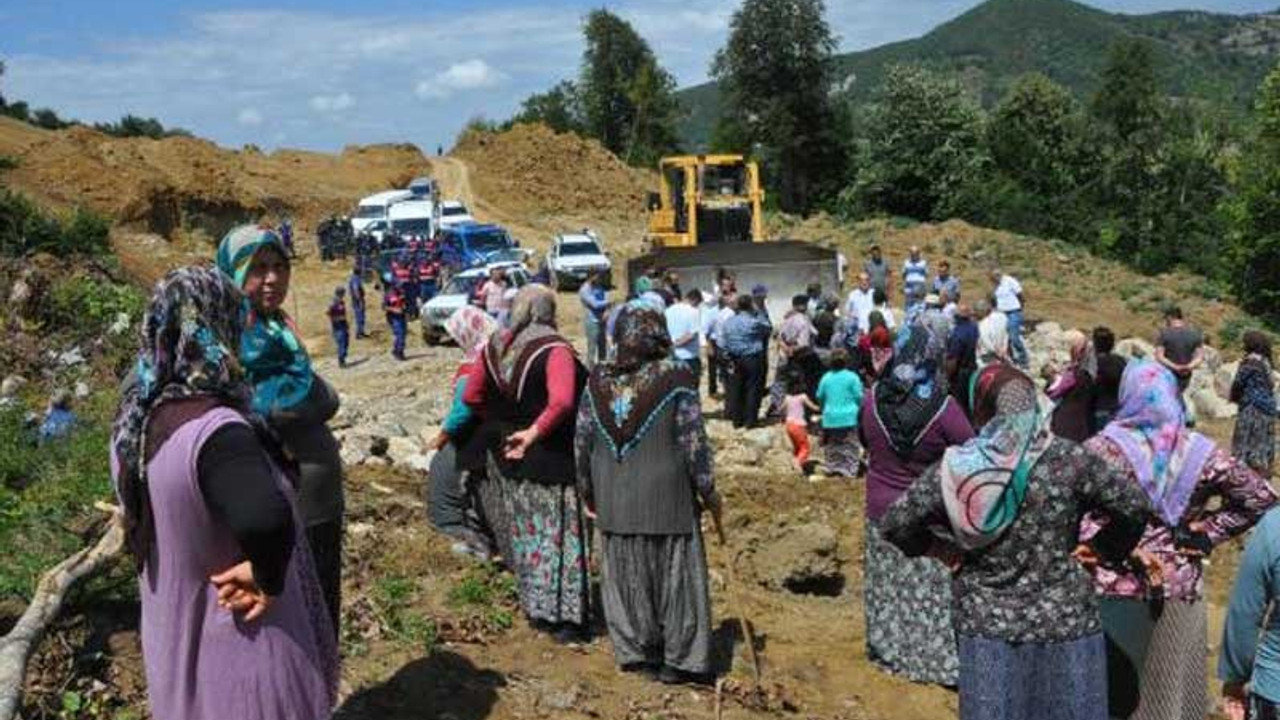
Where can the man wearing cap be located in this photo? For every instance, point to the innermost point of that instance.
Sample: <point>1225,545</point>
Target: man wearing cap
<point>338,324</point>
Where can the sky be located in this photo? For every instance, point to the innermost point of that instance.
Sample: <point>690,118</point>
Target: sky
<point>324,74</point>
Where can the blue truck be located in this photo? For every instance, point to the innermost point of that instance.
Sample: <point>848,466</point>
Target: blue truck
<point>477,245</point>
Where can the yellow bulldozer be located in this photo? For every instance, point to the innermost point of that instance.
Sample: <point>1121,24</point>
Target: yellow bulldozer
<point>708,216</point>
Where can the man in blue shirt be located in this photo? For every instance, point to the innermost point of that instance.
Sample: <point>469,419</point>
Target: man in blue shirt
<point>594,298</point>
<point>947,283</point>
<point>742,343</point>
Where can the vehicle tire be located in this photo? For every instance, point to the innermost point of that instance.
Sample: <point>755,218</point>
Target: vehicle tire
<point>431,338</point>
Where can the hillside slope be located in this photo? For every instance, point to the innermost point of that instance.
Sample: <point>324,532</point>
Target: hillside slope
<point>180,184</point>
<point>1210,56</point>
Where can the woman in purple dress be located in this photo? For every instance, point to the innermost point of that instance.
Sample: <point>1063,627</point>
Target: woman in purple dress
<point>234,624</point>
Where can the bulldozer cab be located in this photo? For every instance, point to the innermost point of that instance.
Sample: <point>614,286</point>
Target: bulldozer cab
<point>706,199</point>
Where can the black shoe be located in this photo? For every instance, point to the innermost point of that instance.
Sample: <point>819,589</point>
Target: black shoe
<point>672,676</point>
<point>569,635</point>
<point>643,669</point>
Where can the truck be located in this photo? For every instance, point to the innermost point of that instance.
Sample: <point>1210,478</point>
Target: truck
<point>412,217</point>
<point>374,208</point>
<point>573,257</point>
<point>707,217</point>
<point>477,245</point>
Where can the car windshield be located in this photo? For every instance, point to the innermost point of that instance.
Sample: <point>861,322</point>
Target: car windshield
<point>489,241</point>
<point>580,248</point>
<point>450,211</point>
<point>371,211</point>
<point>460,285</point>
<point>412,226</point>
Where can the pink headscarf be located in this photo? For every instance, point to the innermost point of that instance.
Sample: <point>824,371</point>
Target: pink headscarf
<point>470,327</point>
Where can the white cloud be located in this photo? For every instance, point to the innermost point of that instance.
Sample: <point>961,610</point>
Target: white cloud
<point>460,77</point>
<point>249,117</point>
<point>332,103</point>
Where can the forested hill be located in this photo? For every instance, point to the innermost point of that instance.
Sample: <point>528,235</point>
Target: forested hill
<point>1211,56</point>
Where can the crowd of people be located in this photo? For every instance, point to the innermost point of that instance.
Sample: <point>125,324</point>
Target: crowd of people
<point>1037,544</point>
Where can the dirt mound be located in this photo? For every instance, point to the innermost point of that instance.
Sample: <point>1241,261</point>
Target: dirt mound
<point>183,184</point>
<point>533,169</point>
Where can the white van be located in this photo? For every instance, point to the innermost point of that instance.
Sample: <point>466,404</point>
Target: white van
<point>374,208</point>
<point>411,217</point>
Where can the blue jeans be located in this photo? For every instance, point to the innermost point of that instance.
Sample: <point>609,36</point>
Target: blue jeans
<point>341,338</point>
<point>1016,348</point>
<point>358,311</point>
<point>399,328</point>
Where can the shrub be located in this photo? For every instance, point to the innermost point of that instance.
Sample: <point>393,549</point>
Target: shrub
<point>26,229</point>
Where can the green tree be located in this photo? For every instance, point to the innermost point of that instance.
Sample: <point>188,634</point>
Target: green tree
<point>1129,100</point>
<point>1254,213</point>
<point>628,100</point>
<point>775,80</point>
<point>921,150</point>
<point>558,108</point>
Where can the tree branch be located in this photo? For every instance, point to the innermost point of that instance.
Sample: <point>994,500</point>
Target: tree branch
<point>16,647</point>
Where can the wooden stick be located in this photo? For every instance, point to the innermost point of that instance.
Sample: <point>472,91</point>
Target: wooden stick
<point>16,647</point>
<point>731,583</point>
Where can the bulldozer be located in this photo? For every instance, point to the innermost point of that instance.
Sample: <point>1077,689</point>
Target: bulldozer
<point>707,216</point>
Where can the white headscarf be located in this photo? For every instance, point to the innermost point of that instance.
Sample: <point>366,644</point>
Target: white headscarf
<point>993,338</point>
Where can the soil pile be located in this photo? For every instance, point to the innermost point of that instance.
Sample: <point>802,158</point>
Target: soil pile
<point>176,184</point>
<point>534,170</point>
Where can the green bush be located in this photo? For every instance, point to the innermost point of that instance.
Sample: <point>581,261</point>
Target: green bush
<point>47,492</point>
<point>26,229</point>
<point>91,304</point>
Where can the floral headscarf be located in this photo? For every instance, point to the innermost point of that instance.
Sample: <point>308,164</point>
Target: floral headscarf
<point>270,347</point>
<point>993,338</point>
<point>1150,429</point>
<point>186,350</point>
<point>470,327</point>
<point>985,480</point>
<point>626,393</point>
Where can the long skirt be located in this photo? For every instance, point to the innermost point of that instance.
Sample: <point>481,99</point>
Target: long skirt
<point>1156,659</point>
<point>1033,681</point>
<point>908,606</point>
<point>540,530</point>
<point>841,452</point>
<point>656,601</point>
<point>451,503</point>
<point>1254,440</point>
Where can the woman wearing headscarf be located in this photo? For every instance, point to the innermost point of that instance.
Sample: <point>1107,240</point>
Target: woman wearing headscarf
<point>1073,392</point>
<point>1004,508</point>
<point>1253,440</point>
<point>645,468</point>
<point>450,493</point>
<point>875,348</point>
<point>294,400</point>
<point>233,619</point>
<point>908,420</point>
<point>993,339</point>
<point>1201,497</point>
<point>526,388</point>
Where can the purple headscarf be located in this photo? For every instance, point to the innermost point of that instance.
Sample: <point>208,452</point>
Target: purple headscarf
<point>1150,429</point>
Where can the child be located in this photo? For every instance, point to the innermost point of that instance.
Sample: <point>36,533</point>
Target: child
<point>840,392</point>
<point>794,405</point>
<point>338,324</point>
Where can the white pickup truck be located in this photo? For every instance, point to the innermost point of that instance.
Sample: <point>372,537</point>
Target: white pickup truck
<point>573,257</point>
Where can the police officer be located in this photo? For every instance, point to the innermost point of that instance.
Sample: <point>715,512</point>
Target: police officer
<point>393,301</point>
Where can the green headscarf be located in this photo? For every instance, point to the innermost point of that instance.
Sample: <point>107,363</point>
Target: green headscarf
<point>271,352</point>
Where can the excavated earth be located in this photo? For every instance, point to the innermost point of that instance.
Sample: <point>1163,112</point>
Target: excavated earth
<point>793,565</point>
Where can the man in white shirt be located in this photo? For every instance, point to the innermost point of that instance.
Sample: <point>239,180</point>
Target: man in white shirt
<point>860,303</point>
<point>684,324</point>
<point>1009,300</point>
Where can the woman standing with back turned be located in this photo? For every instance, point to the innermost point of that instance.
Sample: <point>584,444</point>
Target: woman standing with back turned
<point>1156,623</point>
<point>289,395</point>
<point>1007,504</point>
<point>644,465</point>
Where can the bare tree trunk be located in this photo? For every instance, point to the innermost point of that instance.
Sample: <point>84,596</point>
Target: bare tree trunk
<point>17,646</point>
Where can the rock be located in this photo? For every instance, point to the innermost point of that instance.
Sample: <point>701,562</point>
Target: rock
<point>82,390</point>
<point>1051,329</point>
<point>1208,405</point>
<point>1223,378</point>
<point>353,454</point>
<point>800,559</point>
<point>11,385</point>
<point>400,449</point>
<point>761,438</point>
<point>377,461</point>
<point>71,358</point>
<point>419,462</point>
<point>360,529</point>
<point>121,324</point>
<point>1135,348</point>
<point>19,294</point>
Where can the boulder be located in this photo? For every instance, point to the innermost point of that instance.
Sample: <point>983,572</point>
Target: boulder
<point>82,390</point>
<point>11,385</point>
<point>400,449</point>
<point>1209,405</point>
<point>1223,378</point>
<point>800,559</point>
